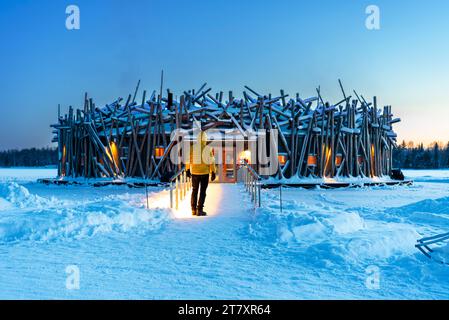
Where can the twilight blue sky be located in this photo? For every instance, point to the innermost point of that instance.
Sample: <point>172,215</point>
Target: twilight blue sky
<point>265,44</point>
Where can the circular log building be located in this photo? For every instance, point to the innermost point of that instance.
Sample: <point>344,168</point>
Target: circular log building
<point>134,138</point>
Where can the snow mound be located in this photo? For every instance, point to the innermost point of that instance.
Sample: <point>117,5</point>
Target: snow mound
<point>384,241</point>
<point>14,195</point>
<point>24,216</point>
<point>429,215</point>
<point>441,253</point>
<point>322,231</point>
<point>440,205</point>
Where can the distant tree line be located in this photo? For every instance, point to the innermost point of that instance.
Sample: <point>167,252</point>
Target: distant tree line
<point>33,157</point>
<point>406,156</point>
<point>411,156</point>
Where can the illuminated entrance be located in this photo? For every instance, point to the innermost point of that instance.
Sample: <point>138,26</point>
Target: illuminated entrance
<point>228,154</point>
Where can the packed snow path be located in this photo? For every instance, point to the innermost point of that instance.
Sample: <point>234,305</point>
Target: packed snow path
<point>213,256</point>
<point>321,246</point>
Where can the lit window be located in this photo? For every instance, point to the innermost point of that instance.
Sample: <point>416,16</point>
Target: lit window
<point>159,152</point>
<point>282,159</point>
<point>338,159</point>
<point>312,160</point>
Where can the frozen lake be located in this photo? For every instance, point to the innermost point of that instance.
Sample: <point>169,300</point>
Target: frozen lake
<point>324,244</point>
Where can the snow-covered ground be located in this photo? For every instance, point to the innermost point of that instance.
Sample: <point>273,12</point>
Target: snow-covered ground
<point>324,244</point>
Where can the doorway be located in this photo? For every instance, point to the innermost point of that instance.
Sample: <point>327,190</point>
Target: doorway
<point>227,170</point>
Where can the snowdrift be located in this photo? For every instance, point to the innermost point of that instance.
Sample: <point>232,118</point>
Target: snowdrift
<point>25,216</point>
<point>324,231</point>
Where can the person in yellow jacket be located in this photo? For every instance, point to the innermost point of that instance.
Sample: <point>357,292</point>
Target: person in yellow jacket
<point>201,164</point>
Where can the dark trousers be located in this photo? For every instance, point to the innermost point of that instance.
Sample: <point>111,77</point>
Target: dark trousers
<point>199,182</point>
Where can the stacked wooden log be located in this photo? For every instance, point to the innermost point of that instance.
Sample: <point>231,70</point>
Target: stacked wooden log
<point>129,138</point>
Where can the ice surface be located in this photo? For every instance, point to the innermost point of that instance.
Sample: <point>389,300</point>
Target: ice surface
<point>319,246</point>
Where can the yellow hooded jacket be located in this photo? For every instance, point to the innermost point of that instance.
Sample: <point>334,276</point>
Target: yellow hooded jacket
<point>202,160</point>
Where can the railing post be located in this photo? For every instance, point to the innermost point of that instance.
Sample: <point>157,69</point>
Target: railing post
<point>254,190</point>
<point>177,193</point>
<point>251,180</point>
<point>244,177</point>
<point>171,194</point>
<point>181,186</point>
<point>248,183</point>
<point>251,188</point>
<point>184,175</point>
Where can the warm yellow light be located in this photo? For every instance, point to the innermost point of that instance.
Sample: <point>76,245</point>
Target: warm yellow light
<point>159,152</point>
<point>161,200</point>
<point>338,159</point>
<point>328,158</point>
<point>282,159</point>
<point>246,156</point>
<point>63,160</point>
<point>312,160</point>
<point>114,151</point>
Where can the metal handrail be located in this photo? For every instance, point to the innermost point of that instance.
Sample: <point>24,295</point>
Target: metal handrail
<point>180,184</point>
<point>251,181</point>
<point>176,175</point>
<point>424,245</point>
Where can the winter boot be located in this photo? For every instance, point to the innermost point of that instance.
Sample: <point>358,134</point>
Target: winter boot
<point>194,212</point>
<point>201,213</point>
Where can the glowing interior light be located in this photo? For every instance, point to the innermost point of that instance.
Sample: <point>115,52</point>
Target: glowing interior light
<point>328,158</point>
<point>311,160</point>
<point>338,159</point>
<point>282,159</point>
<point>245,156</point>
<point>63,161</point>
<point>161,200</point>
<point>114,151</point>
<point>159,152</point>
